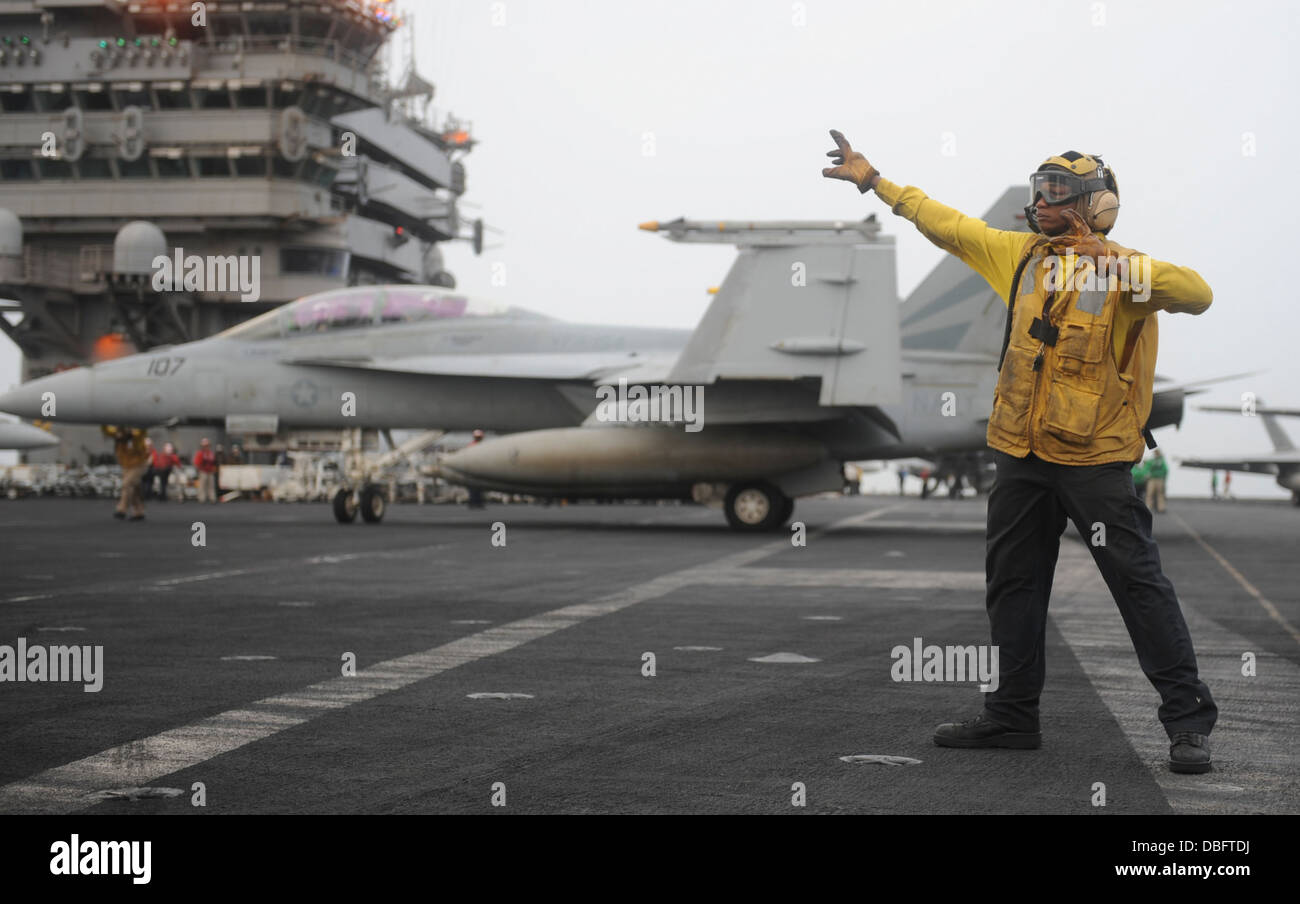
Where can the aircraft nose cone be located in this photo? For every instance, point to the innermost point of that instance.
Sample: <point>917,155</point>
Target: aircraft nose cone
<point>65,394</point>
<point>480,461</point>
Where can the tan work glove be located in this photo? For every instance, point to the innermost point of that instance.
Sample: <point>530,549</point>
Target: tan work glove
<point>1080,239</point>
<point>850,165</point>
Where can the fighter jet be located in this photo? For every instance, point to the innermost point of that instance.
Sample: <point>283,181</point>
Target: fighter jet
<point>802,362</point>
<point>1284,463</point>
<point>17,435</point>
<point>373,357</point>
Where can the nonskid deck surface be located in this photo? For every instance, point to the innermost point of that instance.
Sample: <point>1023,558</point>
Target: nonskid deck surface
<point>520,674</point>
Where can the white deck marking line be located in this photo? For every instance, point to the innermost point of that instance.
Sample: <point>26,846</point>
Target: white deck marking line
<point>276,567</point>
<point>323,559</point>
<point>65,789</point>
<point>851,577</point>
<point>930,527</point>
<point>1241,579</point>
<point>210,576</point>
<point>1252,742</point>
<point>29,598</point>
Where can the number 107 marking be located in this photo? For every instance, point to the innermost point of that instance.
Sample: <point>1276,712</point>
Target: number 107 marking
<point>164,367</point>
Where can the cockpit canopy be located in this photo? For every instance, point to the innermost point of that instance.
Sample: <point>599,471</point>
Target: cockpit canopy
<point>366,306</point>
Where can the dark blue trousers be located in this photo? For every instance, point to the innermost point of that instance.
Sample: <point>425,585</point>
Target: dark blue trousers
<point>1026,517</point>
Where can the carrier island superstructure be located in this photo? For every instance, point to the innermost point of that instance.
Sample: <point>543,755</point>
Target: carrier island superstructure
<point>274,131</point>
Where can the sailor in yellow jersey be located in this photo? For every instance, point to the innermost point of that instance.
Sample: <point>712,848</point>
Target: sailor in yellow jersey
<point>130,445</point>
<point>1067,425</point>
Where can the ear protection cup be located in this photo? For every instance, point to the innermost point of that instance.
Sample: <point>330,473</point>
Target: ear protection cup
<point>1100,208</point>
<point>1100,211</point>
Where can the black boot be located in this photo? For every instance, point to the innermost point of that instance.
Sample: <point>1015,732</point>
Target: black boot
<point>980,732</point>
<point>1189,752</point>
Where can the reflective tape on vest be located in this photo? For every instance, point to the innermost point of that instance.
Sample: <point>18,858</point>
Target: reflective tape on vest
<point>1091,301</point>
<point>1027,277</point>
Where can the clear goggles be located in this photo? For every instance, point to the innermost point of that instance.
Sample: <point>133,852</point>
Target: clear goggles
<point>1056,187</point>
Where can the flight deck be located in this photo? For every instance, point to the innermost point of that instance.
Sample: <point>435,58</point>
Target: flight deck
<point>610,659</point>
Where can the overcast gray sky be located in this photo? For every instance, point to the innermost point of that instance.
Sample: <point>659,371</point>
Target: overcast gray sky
<point>737,97</point>
<point>595,116</point>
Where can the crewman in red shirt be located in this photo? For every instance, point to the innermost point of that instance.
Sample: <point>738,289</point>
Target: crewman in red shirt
<point>205,462</point>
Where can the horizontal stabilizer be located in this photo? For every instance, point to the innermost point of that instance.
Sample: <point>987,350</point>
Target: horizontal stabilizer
<point>1268,416</point>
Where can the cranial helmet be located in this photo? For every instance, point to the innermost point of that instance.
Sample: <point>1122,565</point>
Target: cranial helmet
<point>1082,178</point>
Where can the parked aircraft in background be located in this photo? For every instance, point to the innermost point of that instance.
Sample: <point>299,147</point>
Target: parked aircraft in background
<point>1283,463</point>
<point>372,357</point>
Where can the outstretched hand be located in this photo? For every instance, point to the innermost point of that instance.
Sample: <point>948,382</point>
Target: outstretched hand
<point>850,165</point>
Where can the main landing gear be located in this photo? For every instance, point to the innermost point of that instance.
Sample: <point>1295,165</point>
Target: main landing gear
<point>370,502</point>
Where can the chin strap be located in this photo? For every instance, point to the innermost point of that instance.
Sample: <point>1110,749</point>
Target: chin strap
<point>1031,216</point>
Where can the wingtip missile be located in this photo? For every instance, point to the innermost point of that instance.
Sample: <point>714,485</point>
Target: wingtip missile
<point>768,232</point>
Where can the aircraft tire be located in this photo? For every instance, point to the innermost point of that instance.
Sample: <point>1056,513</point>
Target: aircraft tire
<point>373,505</point>
<point>754,507</point>
<point>345,507</point>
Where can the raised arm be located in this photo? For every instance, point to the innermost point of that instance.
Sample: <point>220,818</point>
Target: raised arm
<point>992,253</point>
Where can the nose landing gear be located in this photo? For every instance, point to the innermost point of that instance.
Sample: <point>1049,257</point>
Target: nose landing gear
<point>756,507</point>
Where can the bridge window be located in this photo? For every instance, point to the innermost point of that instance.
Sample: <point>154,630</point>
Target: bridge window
<point>250,164</point>
<point>287,94</point>
<point>134,169</point>
<point>251,96</point>
<point>93,97</point>
<point>93,168</point>
<point>132,95</point>
<point>52,99</point>
<point>16,169</point>
<point>213,98</point>
<point>314,261</point>
<point>172,167</point>
<point>19,101</point>
<point>173,96</point>
<point>213,166</point>
<point>54,169</point>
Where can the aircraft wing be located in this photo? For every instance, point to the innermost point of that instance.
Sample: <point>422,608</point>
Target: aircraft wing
<point>589,366</point>
<point>1260,410</point>
<point>1264,464</point>
<point>1167,398</point>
